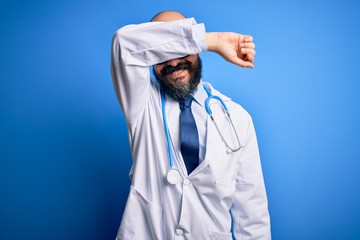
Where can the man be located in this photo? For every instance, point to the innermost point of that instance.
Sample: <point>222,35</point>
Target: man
<point>217,190</point>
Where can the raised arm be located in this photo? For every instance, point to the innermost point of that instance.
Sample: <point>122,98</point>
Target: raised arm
<point>136,47</point>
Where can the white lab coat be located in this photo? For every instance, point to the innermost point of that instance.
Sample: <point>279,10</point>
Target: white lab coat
<point>226,191</point>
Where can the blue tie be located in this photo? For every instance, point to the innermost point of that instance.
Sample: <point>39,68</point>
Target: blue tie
<point>189,136</point>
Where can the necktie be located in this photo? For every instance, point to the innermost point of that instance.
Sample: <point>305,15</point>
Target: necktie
<point>189,136</point>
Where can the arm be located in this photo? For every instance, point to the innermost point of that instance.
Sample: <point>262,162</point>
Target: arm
<point>250,209</point>
<point>136,47</point>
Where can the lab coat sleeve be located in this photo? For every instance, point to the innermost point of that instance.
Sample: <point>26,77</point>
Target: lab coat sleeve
<point>250,209</point>
<point>136,47</point>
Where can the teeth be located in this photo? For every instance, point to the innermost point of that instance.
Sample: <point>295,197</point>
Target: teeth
<point>177,72</point>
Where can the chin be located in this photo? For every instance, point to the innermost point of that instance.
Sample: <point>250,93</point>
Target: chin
<point>183,80</point>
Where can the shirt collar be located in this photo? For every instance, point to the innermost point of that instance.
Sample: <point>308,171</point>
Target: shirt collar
<point>200,94</point>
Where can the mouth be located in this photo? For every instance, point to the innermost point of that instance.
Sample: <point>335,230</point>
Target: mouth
<point>177,76</point>
<point>175,70</point>
<point>176,73</point>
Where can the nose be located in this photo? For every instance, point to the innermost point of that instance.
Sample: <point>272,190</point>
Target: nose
<point>173,62</point>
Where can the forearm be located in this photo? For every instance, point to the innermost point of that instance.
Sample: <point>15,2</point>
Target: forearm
<point>154,42</point>
<point>211,39</point>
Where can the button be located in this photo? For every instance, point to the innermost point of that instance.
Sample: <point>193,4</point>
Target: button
<point>179,232</point>
<point>187,181</point>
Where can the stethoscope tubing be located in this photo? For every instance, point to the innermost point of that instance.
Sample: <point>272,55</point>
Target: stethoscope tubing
<point>208,110</point>
<point>172,169</point>
<point>166,127</point>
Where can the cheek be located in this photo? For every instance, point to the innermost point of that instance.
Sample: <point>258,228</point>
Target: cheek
<point>192,59</point>
<point>157,69</point>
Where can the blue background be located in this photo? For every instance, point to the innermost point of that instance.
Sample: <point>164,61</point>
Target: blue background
<point>63,140</point>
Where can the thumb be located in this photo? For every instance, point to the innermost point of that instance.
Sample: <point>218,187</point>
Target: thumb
<point>241,63</point>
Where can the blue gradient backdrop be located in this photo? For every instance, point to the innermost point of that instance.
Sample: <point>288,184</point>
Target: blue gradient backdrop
<point>63,140</point>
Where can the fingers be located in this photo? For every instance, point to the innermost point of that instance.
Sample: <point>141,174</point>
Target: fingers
<point>250,51</point>
<point>247,48</point>
<point>249,58</point>
<point>248,38</point>
<point>247,45</point>
<point>246,64</point>
<point>248,54</point>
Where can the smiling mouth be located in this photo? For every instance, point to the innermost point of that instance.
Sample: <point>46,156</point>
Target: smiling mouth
<point>176,73</point>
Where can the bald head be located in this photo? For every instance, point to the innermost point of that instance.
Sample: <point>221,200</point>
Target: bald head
<point>167,16</point>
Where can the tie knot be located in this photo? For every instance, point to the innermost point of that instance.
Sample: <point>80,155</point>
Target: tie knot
<point>186,103</point>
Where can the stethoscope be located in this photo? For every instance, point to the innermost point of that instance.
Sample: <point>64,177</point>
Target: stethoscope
<point>173,175</point>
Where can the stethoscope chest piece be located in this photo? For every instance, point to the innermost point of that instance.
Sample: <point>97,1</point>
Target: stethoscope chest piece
<point>173,176</point>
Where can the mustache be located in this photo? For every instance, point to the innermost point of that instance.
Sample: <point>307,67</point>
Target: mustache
<point>171,69</point>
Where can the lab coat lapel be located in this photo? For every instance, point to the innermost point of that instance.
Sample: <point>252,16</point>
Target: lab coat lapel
<point>211,145</point>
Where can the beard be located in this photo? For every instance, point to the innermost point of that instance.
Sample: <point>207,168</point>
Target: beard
<point>176,89</point>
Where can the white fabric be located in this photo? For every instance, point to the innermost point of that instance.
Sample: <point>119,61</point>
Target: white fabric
<point>224,189</point>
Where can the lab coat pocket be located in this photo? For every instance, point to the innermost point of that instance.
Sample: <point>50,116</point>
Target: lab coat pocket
<point>224,171</point>
<point>223,180</point>
<point>142,219</point>
<point>219,236</point>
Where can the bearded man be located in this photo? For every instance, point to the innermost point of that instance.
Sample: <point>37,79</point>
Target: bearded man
<point>196,171</point>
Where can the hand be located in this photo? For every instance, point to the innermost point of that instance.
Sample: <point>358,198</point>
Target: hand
<point>233,47</point>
